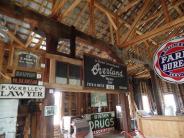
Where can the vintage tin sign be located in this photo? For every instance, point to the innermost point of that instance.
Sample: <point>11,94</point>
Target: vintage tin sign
<point>101,122</point>
<point>169,60</point>
<point>102,74</point>
<point>14,91</point>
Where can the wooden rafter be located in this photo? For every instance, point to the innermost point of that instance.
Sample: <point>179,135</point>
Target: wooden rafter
<point>112,21</point>
<point>111,34</point>
<point>57,6</point>
<point>158,14</point>
<point>178,10</point>
<point>92,18</point>
<point>30,38</point>
<point>165,11</point>
<point>111,16</point>
<point>14,32</point>
<point>138,17</point>
<point>117,31</point>
<point>37,46</point>
<point>69,9</point>
<point>57,30</point>
<point>125,8</point>
<point>173,24</point>
<point>80,15</point>
<point>13,37</point>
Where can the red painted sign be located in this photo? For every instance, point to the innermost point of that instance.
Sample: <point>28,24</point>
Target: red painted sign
<point>169,60</point>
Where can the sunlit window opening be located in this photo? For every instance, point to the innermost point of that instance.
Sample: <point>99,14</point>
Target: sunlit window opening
<point>170,104</point>
<point>146,105</point>
<point>57,103</point>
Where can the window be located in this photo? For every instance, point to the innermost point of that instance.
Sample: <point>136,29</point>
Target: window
<point>61,73</point>
<point>57,103</point>
<point>170,104</point>
<point>145,102</point>
<point>74,75</point>
<point>68,73</point>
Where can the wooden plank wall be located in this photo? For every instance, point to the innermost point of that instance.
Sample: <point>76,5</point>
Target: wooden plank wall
<point>141,87</point>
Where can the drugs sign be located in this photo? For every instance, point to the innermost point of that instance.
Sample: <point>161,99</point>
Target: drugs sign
<point>169,60</point>
<point>101,122</point>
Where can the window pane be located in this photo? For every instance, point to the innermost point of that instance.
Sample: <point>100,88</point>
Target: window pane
<point>61,73</point>
<point>146,106</point>
<point>74,75</point>
<point>170,105</point>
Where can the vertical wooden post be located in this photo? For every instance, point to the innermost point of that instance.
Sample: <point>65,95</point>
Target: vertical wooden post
<point>51,44</point>
<point>47,125</point>
<point>156,93</point>
<point>72,42</point>
<point>1,55</point>
<point>137,94</point>
<point>125,121</point>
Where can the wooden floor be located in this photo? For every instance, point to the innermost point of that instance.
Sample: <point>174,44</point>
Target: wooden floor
<point>110,135</point>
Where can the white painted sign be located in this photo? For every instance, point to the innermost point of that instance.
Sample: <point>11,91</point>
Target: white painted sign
<point>8,117</point>
<point>49,110</point>
<point>21,91</point>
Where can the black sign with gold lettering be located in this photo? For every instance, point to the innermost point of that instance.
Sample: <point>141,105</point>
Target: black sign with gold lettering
<point>25,74</point>
<point>27,60</point>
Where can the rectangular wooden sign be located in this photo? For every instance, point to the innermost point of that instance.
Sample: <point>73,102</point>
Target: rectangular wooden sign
<point>21,91</point>
<point>101,122</point>
<point>25,81</point>
<point>25,74</point>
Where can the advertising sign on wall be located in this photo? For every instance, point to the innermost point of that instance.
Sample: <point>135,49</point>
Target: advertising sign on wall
<point>21,91</point>
<point>26,59</point>
<point>169,60</point>
<point>99,73</point>
<point>49,110</point>
<point>16,80</point>
<point>8,117</point>
<point>26,74</point>
<point>98,99</point>
<point>101,122</point>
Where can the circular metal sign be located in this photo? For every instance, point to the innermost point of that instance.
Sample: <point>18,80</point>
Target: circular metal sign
<point>168,61</point>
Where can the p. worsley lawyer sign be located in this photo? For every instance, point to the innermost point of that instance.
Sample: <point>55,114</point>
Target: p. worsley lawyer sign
<point>169,60</point>
<point>100,73</point>
<point>21,91</point>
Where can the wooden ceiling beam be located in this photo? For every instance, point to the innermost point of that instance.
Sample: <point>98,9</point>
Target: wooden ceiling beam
<point>165,11</point>
<point>30,38</point>
<point>125,8</point>
<point>69,9</point>
<point>112,21</point>
<point>111,34</point>
<point>80,15</point>
<point>158,14</point>
<point>58,30</point>
<point>173,24</point>
<point>58,5</point>
<point>109,13</point>
<point>138,17</point>
<point>13,37</point>
<point>92,28</point>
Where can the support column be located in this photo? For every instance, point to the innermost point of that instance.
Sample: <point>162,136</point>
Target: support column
<point>125,120</point>
<point>51,44</point>
<point>72,42</point>
<point>47,122</point>
<point>156,93</point>
<point>137,94</point>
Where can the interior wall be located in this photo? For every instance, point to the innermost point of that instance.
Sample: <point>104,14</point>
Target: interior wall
<point>141,87</point>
